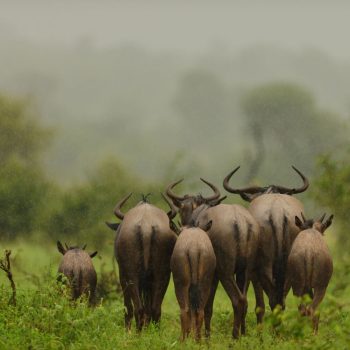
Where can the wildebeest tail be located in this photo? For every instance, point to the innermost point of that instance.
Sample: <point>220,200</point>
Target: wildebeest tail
<point>77,283</point>
<point>308,268</point>
<point>146,276</point>
<point>280,258</point>
<point>145,286</point>
<point>194,292</point>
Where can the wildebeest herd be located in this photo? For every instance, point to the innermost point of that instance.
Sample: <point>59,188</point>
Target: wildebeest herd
<point>270,244</point>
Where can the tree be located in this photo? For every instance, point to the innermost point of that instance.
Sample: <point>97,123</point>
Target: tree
<point>201,97</point>
<point>83,209</point>
<point>331,189</point>
<point>21,135</point>
<point>285,122</point>
<point>23,186</point>
<point>202,102</point>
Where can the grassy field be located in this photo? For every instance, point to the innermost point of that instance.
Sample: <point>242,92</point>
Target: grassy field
<point>45,319</point>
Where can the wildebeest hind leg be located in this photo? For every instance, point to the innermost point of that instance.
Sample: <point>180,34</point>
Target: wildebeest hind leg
<point>238,303</point>
<point>208,310</point>
<point>318,297</point>
<point>128,312</point>
<point>158,291</point>
<point>259,300</point>
<point>242,282</point>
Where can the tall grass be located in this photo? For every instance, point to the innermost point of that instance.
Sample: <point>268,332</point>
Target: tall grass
<point>45,318</point>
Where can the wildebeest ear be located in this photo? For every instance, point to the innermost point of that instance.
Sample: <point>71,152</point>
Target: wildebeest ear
<point>327,223</point>
<point>93,254</point>
<point>207,226</point>
<point>60,248</point>
<point>112,226</point>
<point>298,222</point>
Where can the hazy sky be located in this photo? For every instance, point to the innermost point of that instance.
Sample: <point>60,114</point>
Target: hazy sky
<point>185,25</point>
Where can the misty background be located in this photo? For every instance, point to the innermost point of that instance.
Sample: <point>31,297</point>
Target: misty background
<point>159,85</point>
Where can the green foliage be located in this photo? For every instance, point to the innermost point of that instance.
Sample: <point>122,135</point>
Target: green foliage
<point>23,191</point>
<point>48,320</point>
<point>331,186</point>
<point>21,135</point>
<point>331,189</point>
<point>45,318</point>
<point>23,186</point>
<point>84,209</point>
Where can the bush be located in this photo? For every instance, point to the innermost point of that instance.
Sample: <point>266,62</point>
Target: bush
<point>21,134</point>
<point>23,191</point>
<point>331,189</point>
<point>23,186</point>
<point>84,209</point>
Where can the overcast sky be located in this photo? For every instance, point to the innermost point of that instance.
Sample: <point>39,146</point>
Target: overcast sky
<point>183,25</point>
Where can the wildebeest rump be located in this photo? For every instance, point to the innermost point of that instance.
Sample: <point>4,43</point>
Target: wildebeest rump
<point>76,265</point>
<point>310,265</point>
<point>193,265</point>
<point>143,248</point>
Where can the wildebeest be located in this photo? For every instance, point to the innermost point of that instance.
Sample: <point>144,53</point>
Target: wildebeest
<point>190,205</point>
<point>143,248</point>
<point>234,236</point>
<point>193,265</point>
<point>274,209</point>
<point>310,265</point>
<point>77,266</point>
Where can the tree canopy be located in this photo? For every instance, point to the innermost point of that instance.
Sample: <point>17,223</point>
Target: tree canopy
<point>21,134</point>
<point>285,122</point>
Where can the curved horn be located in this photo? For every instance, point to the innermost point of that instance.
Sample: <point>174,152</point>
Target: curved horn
<point>216,194</point>
<point>301,189</point>
<point>172,213</point>
<point>322,218</point>
<point>66,245</point>
<point>117,211</point>
<point>251,190</point>
<point>83,247</point>
<point>171,194</point>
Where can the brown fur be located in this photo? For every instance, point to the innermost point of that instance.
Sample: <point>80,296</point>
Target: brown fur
<point>310,268</point>
<point>234,235</point>
<point>76,265</point>
<point>274,210</point>
<point>193,265</point>
<point>275,214</point>
<point>143,248</point>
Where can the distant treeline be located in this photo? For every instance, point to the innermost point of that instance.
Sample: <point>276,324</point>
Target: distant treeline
<point>128,101</point>
<point>31,202</point>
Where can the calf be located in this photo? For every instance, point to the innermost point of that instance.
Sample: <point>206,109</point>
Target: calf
<point>193,265</point>
<point>310,265</point>
<point>77,266</point>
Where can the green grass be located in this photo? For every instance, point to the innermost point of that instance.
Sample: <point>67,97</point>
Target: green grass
<point>44,318</point>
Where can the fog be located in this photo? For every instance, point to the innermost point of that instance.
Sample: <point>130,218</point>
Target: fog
<point>159,84</point>
<point>190,26</point>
